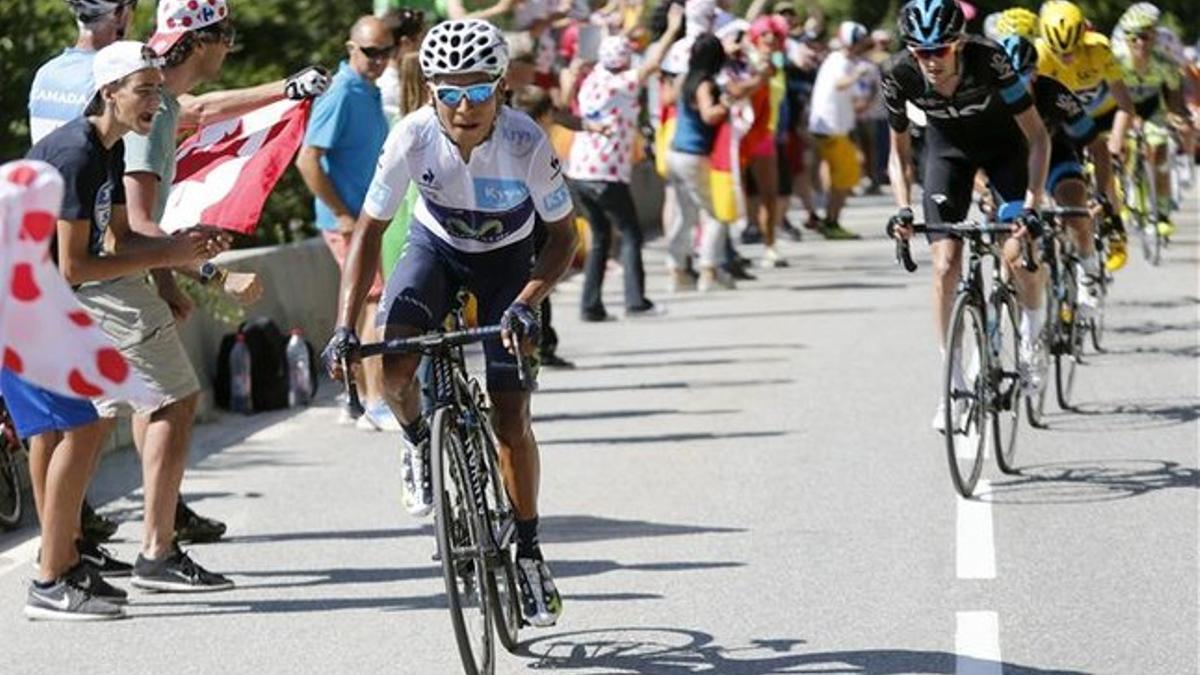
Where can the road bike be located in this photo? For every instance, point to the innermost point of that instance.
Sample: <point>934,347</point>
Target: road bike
<point>11,457</point>
<point>1063,331</point>
<point>981,385</point>
<point>1139,196</point>
<point>474,523</point>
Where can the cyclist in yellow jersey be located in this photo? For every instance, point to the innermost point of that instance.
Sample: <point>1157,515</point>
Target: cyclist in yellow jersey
<point>1083,61</point>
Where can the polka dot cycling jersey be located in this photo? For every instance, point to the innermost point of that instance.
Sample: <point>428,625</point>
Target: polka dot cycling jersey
<point>482,205</point>
<point>608,99</point>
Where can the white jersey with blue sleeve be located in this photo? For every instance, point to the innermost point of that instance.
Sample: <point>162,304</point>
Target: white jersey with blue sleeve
<point>60,92</point>
<point>482,205</point>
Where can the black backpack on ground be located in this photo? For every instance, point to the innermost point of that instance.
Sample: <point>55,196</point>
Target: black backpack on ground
<point>268,365</point>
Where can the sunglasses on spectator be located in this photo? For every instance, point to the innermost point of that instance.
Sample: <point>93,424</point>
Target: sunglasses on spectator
<point>476,94</point>
<point>937,52</point>
<point>221,32</point>
<point>1144,36</point>
<point>375,53</point>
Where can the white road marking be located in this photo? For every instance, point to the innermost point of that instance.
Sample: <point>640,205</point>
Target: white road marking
<point>977,644</point>
<point>19,556</point>
<point>976,547</point>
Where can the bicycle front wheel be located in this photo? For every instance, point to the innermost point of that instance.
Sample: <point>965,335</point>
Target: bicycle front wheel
<point>501,521</point>
<point>964,392</point>
<point>1006,381</point>
<point>458,530</point>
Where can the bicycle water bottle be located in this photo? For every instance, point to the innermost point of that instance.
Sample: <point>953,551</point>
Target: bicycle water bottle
<point>240,390</point>
<point>299,370</point>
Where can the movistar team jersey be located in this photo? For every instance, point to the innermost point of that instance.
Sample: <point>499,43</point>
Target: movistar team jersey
<point>982,108</point>
<point>1087,73</point>
<point>61,90</point>
<point>482,205</point>
<point>1162,69</point>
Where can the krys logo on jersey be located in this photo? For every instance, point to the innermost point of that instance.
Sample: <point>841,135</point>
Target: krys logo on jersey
<point>499,194</point>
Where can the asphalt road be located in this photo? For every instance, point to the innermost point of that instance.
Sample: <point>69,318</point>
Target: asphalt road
<point>746,485</point>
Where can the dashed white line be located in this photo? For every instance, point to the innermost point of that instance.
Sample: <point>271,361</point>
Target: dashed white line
<point>977,644</point>
<point>976,546</point>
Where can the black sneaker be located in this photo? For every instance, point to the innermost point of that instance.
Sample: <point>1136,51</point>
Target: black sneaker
<point>176,573</point>
<point>791,230</point>
<point>191,527</point>
<point>87,578</point>
<point>645,309</point>
<point>100,559</point>
<point>96,527</point>
<point>65,601</point>
<point>540,602</point>
<point>751,235</point>
<point>594,316</point>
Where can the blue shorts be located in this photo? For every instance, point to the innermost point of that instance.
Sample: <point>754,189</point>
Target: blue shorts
<point>430,273</point>
<point>35,410</point>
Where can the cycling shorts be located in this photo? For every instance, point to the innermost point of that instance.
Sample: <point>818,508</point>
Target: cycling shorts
<point>35,410</point>
<point>428,276</point>
<point>1064,163</point>
<point>949,179</point>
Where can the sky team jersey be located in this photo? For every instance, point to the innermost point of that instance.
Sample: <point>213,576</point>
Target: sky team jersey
<point>981,109</point>
<point>1163,69</point>
<point>484,205</point>
<point>1062,112</point>
<point>1091,68</point>
<point>61,90</point>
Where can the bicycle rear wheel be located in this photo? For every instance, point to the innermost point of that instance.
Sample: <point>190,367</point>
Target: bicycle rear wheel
<point>966,416</point>
<point>1006,381</point>
<point>1069,338</point>
<point>458,529</point>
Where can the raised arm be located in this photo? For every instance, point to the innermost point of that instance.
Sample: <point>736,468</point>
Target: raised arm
<point>658,51</point>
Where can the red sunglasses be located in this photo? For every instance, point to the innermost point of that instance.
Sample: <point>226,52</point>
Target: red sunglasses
<point>937,52</point>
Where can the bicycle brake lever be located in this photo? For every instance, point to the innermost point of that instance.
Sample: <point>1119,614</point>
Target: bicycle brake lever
<point>353,403</point>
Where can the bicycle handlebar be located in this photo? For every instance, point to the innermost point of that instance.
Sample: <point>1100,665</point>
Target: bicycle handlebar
<point>424,344</point>
<point>969,229</point>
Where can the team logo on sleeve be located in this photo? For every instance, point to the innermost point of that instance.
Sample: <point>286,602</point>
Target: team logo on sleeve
<point>555,167</point>
<point>1001,65</point>
<point>557,199</point>
<point>1069,105</point>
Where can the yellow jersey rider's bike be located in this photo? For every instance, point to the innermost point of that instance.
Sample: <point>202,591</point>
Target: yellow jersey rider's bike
<point>980,380</point>
<point>474,523</point>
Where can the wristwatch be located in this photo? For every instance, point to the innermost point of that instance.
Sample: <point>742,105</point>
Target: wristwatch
<point>210,272</point>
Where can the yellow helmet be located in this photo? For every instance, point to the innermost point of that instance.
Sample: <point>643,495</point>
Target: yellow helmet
<point>1061,26</point>
<point>1018,21</point>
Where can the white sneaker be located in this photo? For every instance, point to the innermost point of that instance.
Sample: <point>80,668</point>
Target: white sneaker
<point>378,417</point>
<point>938,423</point>
<point>345,417</point>
<point>418,482</point>
<point>772,259</point>
<point>1087,293</point>
<point>713,279</point>
<point>1031,367</point>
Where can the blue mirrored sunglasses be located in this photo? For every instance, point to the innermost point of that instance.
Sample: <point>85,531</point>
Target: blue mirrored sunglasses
<point>475,94</point>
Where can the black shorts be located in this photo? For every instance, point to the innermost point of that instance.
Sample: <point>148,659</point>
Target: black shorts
<point>430,273</point>
<point>1064,162</point>
<point>949,179</point>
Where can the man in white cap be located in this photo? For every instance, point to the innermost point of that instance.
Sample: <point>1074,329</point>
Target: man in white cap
<point>832,117</point>
<point>193,39</point>
<point>95,247</point>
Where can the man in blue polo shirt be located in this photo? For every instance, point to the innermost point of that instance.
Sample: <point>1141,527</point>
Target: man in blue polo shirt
<point>345,134</point>
<point>63,86</point>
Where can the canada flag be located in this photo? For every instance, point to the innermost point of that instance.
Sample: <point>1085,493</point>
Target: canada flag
<point>225,171</point>
<point>45,335</point>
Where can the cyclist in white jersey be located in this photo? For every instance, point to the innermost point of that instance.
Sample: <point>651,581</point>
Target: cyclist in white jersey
<point>484,173</point>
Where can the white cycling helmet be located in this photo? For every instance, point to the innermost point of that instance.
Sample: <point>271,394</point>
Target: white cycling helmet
<point>469,46</point>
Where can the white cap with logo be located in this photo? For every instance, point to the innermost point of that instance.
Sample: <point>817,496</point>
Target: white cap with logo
<point>177,17</point>
<point>120,60</point>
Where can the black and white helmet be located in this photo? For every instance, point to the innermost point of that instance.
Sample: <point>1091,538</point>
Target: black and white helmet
<point>90,10</point>
<point>468,46</point>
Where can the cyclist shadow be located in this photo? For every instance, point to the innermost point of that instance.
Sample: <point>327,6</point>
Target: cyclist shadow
<point>1131,414</point>
<point>671,651</point>
<point>1085,482</point>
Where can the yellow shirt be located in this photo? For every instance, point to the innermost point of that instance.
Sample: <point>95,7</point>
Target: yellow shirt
<point>1089,73</point>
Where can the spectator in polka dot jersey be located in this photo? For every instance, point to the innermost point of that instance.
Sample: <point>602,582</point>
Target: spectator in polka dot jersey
<point>601,165</point>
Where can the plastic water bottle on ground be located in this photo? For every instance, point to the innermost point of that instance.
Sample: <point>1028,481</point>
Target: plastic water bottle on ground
<point>299,370</point>
<point>240,389</point>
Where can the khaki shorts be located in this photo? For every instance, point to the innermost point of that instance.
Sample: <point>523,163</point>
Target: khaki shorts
<point>842,156</point>
<point>140,324</point>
